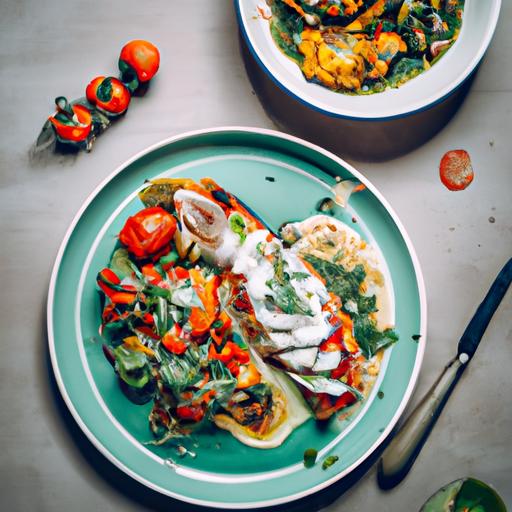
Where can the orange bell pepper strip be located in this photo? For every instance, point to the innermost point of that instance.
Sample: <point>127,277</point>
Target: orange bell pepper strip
<point>150,272</point>
<point>348,337</point>
<point>172,341</point>
<point>123,297</point>
<point>199,321</point>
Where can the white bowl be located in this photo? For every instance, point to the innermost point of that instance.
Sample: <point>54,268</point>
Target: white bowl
<point>420,93</point>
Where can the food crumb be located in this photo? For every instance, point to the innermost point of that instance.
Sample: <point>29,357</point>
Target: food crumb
<point>354,220</point>
<point>416,337</point>
<point>492,220</point>
<point>380,394</point>
<point>270,178</point>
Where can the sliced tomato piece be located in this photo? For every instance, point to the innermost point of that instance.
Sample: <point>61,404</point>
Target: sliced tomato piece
<point>455,170</point>
<point>190,412</point>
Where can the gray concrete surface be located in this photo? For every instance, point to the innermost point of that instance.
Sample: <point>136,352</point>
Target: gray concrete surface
<point>55,47</point>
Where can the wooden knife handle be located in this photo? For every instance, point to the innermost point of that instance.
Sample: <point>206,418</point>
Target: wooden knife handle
<point>400,454</point>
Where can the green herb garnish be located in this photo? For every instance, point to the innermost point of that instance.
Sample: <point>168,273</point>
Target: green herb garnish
<point>310,457</point>
<point>237,225</point>
<point>329,461</point>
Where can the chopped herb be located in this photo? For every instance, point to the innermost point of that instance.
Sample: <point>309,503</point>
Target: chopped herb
<point>380,394</point>
<point>300,276</point>
<point>329,461</point>
<point>416,337</point>
<point>370,339</point>
<point>346,285</point>
<point>310,457</point>
<point>237,225</point>
<point>285,297</point>
<point>342,282</point>
<point>270,178</point>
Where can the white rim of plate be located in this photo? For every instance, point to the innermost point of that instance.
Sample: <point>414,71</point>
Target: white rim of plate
<point>419,354</point>
<point>413,108</point>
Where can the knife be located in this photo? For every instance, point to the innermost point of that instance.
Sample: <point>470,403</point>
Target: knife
<point>399,456</point>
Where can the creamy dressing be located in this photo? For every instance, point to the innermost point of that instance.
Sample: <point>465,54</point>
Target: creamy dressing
<point>286,331</point>
<point>296,337</point>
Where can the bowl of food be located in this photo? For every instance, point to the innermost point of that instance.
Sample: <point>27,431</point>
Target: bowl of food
<point>366,62</point>
<point>463,495</point>
<point>203,331</point>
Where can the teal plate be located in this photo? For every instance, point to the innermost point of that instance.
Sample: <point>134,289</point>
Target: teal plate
<point>282,178</point>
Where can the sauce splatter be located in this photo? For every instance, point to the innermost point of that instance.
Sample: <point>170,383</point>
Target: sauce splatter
<point>455,170</point>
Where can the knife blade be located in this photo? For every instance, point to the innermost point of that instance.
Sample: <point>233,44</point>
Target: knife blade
<point>399,456</point>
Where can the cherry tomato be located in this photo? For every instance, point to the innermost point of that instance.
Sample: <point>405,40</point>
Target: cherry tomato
<point>140,57</point>
<point>192,412</point>
<point>455,170</point>
<point>148,232</point>
<point>108,94</point>
<point>74,131</point>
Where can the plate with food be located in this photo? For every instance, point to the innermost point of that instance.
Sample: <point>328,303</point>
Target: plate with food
<point>236,306</point>
<point>368,59</point>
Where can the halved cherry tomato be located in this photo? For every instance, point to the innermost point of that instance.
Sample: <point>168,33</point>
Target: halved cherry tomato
<point>108,94</point>
<point>148,232</point>
<point>190,412</point>
<point>333,10</point>
<point>140,57</point>
<point>455,170</point>
<point>74,131</point>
